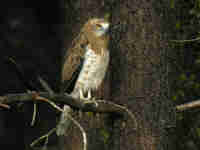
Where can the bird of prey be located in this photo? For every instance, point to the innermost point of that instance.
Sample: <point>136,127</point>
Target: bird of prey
<point>91,46</point>
<point>89,55</point>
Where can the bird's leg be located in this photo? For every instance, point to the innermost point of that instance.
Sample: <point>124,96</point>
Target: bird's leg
<point>88,98</point>
<point>89,95</point>
<point>93,100</point>
<point>81,94</point>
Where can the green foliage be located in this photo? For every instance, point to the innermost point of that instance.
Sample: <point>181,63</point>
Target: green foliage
<point>107,16</point>
<point>105,134</point>
<point>196,9</point>
<point>182,77</point>
<point>198,131</point>
<point>186,65</point>
<point>178,25</point>
<point>90,114</point>
<point>174,98</point>
<point>186,86</point>
<point>197,61</point>
<point>197,86</point>
<point>179,116</point>
<point>172,3</point>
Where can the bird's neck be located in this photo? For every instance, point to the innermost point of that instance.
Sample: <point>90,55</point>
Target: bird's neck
<point>98,43</point>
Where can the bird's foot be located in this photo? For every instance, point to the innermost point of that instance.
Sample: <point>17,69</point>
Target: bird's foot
<point>89,98</point>
<point>91,101</point>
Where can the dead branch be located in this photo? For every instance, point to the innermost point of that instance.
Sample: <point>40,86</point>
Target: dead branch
<point>5,106</point>
<point>189,105</point>
<point>103,105</point>
<point>82,131</point>
<point>51,98</point>
<point>46,136</point>
<point>45,85</point>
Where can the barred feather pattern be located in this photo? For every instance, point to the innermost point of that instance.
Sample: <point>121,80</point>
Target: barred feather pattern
<point>93,71</point>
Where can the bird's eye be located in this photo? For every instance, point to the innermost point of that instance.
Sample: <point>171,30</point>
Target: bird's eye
<point>99,26</point>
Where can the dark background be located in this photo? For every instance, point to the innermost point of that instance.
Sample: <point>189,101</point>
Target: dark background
<point>31,34</point>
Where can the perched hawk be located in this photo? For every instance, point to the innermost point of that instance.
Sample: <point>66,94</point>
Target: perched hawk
<point>89,55</point>
<point>91,46</point>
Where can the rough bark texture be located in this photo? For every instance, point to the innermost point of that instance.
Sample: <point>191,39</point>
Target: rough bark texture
<point>137,77</point>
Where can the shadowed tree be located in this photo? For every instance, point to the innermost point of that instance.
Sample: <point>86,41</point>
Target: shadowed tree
<point>137,76</point>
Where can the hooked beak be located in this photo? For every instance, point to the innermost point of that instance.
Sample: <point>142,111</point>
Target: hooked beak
<point>105,26</point>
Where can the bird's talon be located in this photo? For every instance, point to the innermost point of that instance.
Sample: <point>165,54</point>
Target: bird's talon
<point>88,101</point>
<point>91,102</point>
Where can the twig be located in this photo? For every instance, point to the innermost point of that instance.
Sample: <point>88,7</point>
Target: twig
<point>103,107</point>
<point>82,131</point>
<point>42,137</point>
<point>34,114</point>
<point>5,106</point>
<point>50,102</point>
<point>20,74</point>
<point>54,129</point>
<point>184,41</point>
<point>190,105</point>
<point>130,114</point>
<point>45,85</point>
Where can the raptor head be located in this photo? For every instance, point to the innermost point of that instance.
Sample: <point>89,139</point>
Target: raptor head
<point>99,27</point>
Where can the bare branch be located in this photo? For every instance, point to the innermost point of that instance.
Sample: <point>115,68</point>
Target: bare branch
<point>184,41</point>
<point>45,85</point>
<point>34,114</point>
<point>129,113</point>
<point>42,137</point>
<point>103,105</point>
<point>190,105</point>
<point>5,106</point>
<point>50,102</point>
<point>82,131</point>
<point>64,98</point>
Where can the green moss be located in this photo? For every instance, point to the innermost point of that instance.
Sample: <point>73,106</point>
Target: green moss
<point>192,77</point>
<point>90,114</point>
<point>178,25</point>
<point>179,116</point>
<point>197,86</point>
<point>174,98</point>
<point>182,77</point>
<point>172,3</point>
<point>181,93</point>
<point>198,131</point>
<point>105,134</point>
<point>107,16</point>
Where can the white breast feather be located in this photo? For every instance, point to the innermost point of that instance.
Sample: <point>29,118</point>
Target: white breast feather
<point>93,70</point>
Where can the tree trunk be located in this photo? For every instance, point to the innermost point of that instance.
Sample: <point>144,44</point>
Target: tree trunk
<point>137,76</point>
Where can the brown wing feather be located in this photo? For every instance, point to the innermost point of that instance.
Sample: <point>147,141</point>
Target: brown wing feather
<point>73,57</point>
<point>76,52</point>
